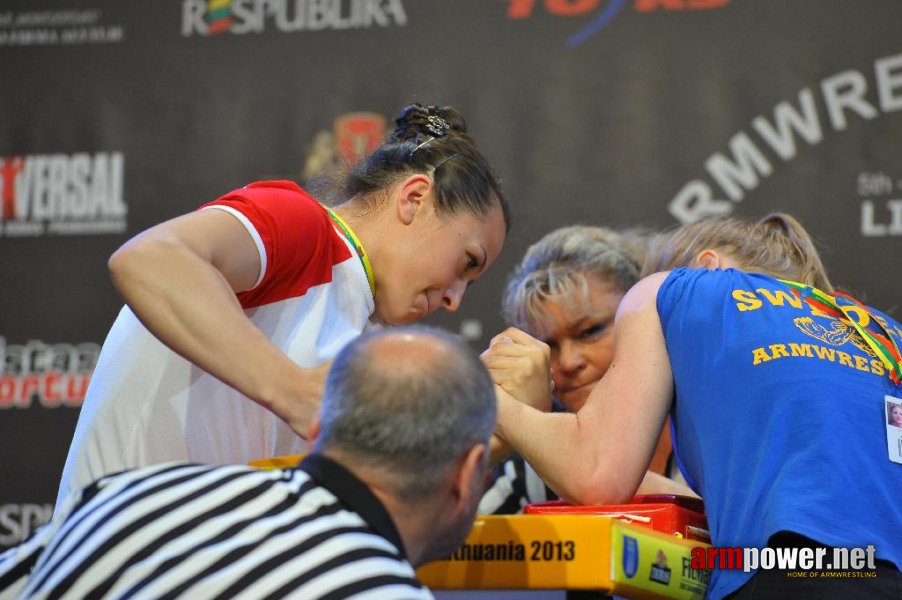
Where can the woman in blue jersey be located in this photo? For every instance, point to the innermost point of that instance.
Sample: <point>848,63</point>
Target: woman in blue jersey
<point>737,334</point>
<point>565,292</point>
<point>234,311</point>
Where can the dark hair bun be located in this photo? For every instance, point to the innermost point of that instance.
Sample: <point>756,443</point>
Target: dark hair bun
<point>417,120</point>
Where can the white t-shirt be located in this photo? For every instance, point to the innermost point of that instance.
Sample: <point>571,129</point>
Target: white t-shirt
<point>146,404</point>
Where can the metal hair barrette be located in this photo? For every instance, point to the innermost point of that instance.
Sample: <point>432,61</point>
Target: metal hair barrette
<point>437,126</point>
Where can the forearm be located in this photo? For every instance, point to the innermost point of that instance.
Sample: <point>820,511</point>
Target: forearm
<point>188,304</point>
<point>499,450</point>
<point>565,453</point>
<point>600,454</point>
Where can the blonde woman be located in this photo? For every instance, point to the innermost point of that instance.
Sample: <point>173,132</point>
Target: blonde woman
<point>565,292</point>
<point>777,395</point>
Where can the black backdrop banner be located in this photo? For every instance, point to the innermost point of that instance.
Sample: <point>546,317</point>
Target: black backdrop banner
<point>117,115</point>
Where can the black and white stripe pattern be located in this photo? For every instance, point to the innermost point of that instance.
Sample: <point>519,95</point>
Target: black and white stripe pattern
<point>192,531</point>
<point>515,484</point>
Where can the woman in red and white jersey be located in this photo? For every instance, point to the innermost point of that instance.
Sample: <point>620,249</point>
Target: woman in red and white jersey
<point>233,312</point>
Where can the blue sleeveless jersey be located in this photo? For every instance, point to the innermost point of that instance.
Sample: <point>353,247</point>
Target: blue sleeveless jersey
<point>779,417</point>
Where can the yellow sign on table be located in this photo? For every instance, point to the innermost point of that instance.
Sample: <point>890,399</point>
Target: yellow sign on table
<point>570,552</point>
<point>277,462</point>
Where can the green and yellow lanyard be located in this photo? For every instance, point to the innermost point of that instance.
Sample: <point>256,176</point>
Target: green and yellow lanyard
<point>358,247</point>
<point>841,305</point>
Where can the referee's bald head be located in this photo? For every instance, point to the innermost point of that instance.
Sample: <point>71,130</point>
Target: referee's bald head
<point>412,399</point>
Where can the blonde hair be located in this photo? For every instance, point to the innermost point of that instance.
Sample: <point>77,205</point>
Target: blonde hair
<point>776,245</point>
<point>558,266</point>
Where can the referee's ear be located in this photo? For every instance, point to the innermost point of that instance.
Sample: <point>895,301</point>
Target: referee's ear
<point>314,429</point>
<point>469,478</point>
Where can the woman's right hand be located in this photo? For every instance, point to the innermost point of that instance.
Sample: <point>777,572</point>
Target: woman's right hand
<point>297,409</point>
<point>520,365</point>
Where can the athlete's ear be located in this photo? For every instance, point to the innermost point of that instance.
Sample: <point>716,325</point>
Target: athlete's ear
<point>412,196</point>
<point>708,259</point>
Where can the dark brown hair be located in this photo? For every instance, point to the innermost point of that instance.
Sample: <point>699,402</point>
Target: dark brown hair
<point>434,140</point>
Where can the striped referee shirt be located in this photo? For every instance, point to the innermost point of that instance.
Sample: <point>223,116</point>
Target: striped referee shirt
<point>199,531</point>
<point>514,485</point>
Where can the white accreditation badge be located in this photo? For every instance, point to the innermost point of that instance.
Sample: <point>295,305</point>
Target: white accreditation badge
<point>894,428</point>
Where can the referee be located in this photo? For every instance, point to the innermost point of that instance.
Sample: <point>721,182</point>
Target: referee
<point>396,472</point>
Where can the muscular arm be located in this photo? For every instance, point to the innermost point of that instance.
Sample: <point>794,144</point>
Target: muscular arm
<point>180,279</point>
<point>600,455</point>
<point>519,365</point>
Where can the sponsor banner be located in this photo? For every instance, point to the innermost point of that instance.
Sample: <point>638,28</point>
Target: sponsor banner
<point>846,96</point>
<point>654,564</point>
<point>63,27</point>
<point>880,195</point>
<point>43,375</point>
<point>62,194</point>
<point>572,552</point>
<point>601,13</point>
<point>243,17</point>
<point>18,521</point>
<point>611,112</point>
